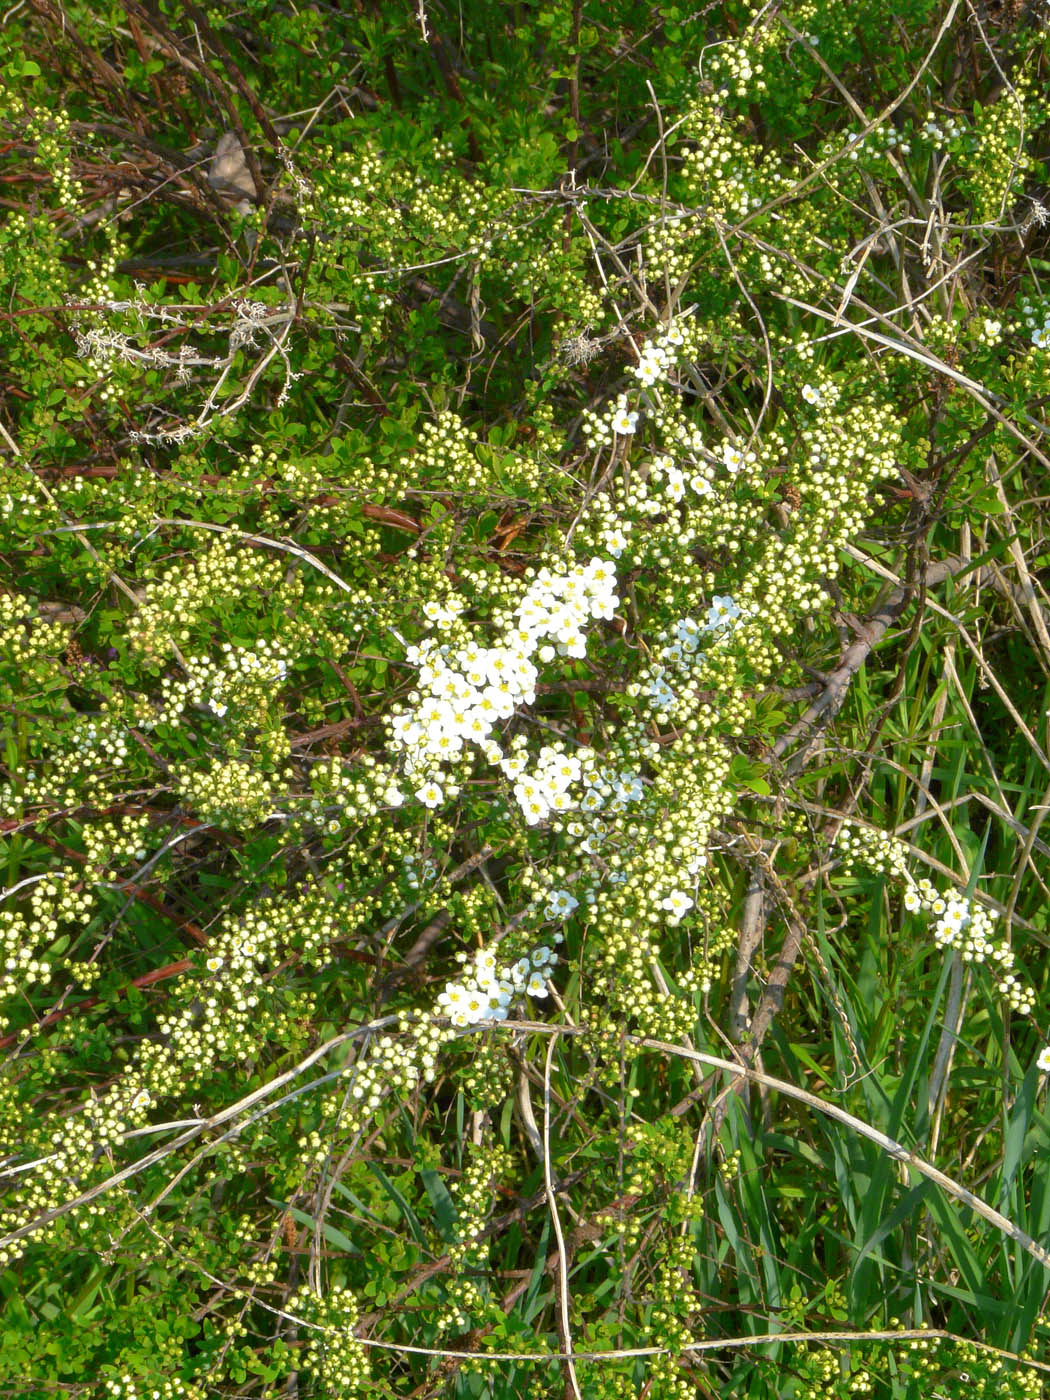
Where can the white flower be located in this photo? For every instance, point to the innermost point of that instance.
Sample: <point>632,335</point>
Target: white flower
<point>615,541</point>
<point>533,803</point>
<point>561,904</point>
<point>600,575</point>
<point>536,985</point>
<point>567,769</point>
<point>661,694</point>
<point>957,915</point>
<point>992,329</point>
<point>214,963</point>
<point>675,485</point>
<point>912,901</point>
<point>430,795</point>
<point>485,967</point>
<point>475,1006</point>
<point>688,633</point>
<point>732,458</point>
<point>651,366</point>
<point>677,903</point>
<point>218,707</point>
<point>497,1000</point>
<point>1041,337</point>
<point>451,999</point>
<point>141,1099</point>
<point>629,788</point>
<point>721,612</point>
<point>812,395</point>
<point>497,700</point>
<point>624,422</point>
<point>1043,1061</point>
<point>444,744</point>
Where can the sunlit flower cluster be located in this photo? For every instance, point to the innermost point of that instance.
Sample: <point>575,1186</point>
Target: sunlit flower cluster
<point>658,356</point>
<point>490,991</point>
<point>959,923</point>
<point>680,655</point>
<point>331,1352</point>
<point>616,420</point>
<point>231,792</point>
<point>870,847</point>
<point>243,675</point>
<point>464,693</point>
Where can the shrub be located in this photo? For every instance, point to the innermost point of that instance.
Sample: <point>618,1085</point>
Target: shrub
<point>524,675</point>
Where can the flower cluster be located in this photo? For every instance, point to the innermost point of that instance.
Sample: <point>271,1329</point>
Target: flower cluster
<point>968,928</point>
<point>490,991</point>
<point>234,793</point>
<point>681,652</point>
<point>960,923</point>
<point>170,613</point>
<point>546,788</point>
<point>941,133</point>
<point>465,692</point>
<point>331,1351</point>
<point>1032,317</point>
<point>658,357</point>
<point>466,1303</point>
<point>242,677</point>
<point>878,850</point>
<point>617,419</point>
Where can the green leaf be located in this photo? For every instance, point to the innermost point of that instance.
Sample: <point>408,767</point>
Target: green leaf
<point>407,1213</point>
<point>444,1206</point>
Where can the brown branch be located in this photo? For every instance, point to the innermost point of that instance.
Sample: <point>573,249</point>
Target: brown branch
<point>752,926</point>
<point>53,14</point>
<point>219,86</point>
<point>817,716</point>
<point>159,974</point>
<point>138,892</point>
<point>837,683</point>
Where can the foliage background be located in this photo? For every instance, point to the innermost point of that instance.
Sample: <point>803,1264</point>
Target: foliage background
<point>313,317</point>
